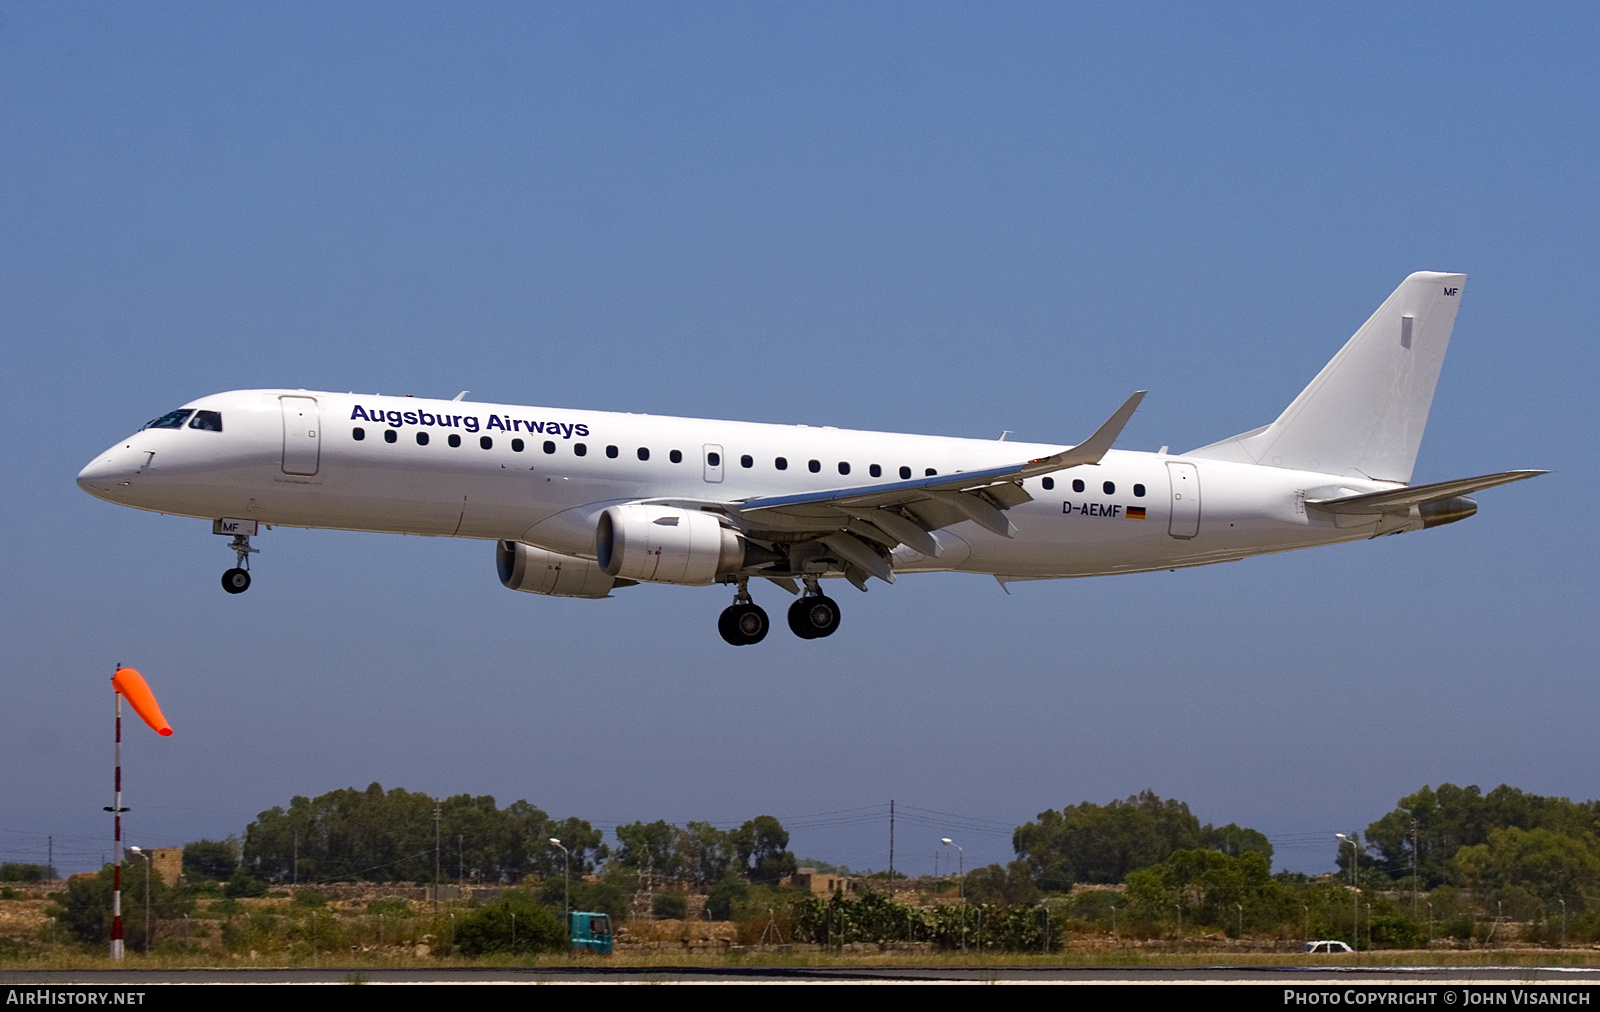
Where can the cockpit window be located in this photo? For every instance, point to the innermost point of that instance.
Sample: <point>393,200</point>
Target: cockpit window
<point>170,420</point>
<point>211,421</point>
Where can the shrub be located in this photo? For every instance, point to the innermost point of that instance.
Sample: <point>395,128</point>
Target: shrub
<point>85,907</point>
<point>513,924</point>
<point>309,898</point>
<point>244,884</point>
<point>669,906</point>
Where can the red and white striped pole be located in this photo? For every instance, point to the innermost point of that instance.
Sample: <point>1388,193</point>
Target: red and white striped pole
<point>128,682</point>
<point>116,822</point>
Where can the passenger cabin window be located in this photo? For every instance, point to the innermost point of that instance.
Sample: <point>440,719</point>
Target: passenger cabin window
<point>1138,491</point>
<point>714,459</point>
<point>814,466</point>
<point>875,470</point>
<point>676,456</point>
<point>389,435</point>
<point>358,433</point>
<point>930,472</point>
<point>210,421</point>
<point>1048,483</point>
<point>844,467</point>
<point>517,446</point>
<point>747,461</point>
<point>578,449</point>
<point>549,446</point>
<point>1109,488</point>
<point>1077,484</point>
<point>782,463</point>
<point>644,454</point>
<point>170,420</point>
<point>611,451</point>
<point>905,473</point>
<point>486,442</point>
<point>455,440</point>
<point>422,439</point>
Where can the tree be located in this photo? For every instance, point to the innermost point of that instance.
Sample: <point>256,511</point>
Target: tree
<point>602,897</point>
<point>1102,843</point>
<point>1545,865</point>
<point>389,836</point>
<point>760,849</point>
<point>1453,817</point>
<point>650,846</point>
<point>211,860</point>
<point>1208,886</point>
<point>12,871</point>
<point>1234,840</point>
<point>84,908</point>
<point>722,897</point>
<point>1004,886</point>
<point>704,852</point>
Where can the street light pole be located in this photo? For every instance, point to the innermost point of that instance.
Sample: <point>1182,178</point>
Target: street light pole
<point>566,871</point>
<point>961,883</point>
<point>148,869</point>
<point>1355,911</point>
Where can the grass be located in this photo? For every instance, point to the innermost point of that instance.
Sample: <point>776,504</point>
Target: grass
<point>70,957</point>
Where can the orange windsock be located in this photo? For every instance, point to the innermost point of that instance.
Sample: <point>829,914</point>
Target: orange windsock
<point>135,690</point>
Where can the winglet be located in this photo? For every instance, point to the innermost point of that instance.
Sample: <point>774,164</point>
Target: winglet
<point>1092,449</point>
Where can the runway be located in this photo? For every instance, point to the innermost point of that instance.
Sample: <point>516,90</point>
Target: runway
<point>1585,978</point>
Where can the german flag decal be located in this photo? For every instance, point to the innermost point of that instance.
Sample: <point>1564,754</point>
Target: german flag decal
<point>1135,512</point>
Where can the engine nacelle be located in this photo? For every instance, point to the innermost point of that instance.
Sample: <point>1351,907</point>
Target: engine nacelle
<point>536,571</point>
<point>661,544</point>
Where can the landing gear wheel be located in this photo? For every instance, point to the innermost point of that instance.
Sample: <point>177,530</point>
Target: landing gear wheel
<point>814,617</point>
<point>236,581</point>
<point>743,624</point>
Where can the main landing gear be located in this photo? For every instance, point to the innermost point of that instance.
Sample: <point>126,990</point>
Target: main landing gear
<point>237,579</point>
<point>814,615</point>
<point>811,617</point>
<point>744,622</point>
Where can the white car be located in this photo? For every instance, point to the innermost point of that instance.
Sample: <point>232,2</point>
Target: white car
<point>1326,946</point>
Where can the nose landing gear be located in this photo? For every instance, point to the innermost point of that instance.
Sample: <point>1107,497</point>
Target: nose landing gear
<point>744,622</point>
<point>237,580</point>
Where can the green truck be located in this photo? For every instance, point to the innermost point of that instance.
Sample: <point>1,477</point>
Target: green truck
<point>589,932</point>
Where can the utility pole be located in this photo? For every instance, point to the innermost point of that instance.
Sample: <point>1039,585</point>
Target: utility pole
<point>891,850</point>
<point>1414,883</point>
<point>436,859</point>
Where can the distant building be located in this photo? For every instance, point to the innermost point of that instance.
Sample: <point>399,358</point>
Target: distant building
<point>819,883</point>
<point>168,863</point>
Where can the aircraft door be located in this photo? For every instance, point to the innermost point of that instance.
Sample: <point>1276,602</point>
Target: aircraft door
<point>713,458</point>
<point>302,439</point>
<point>1185,522</point>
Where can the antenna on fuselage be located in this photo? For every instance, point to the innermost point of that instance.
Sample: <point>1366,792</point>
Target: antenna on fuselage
<point>462,394</point>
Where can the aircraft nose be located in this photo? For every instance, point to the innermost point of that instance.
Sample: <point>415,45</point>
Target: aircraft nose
<point>105,473</point>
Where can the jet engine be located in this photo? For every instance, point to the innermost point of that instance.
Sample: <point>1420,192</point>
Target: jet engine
<point>536,571</point>
<point>661,544</point>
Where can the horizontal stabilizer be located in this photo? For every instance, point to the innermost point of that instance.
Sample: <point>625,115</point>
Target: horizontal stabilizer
<point>1416,495</point>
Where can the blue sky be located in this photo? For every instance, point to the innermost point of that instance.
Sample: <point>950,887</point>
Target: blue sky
<point>954,219</point>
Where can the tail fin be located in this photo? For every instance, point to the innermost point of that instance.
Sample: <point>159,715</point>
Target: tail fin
<point>1365,412</point>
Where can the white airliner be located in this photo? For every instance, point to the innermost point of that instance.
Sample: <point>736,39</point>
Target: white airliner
<point>580,503</point>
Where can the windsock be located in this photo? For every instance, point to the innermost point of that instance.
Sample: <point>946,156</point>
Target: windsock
<point>135,690</point>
